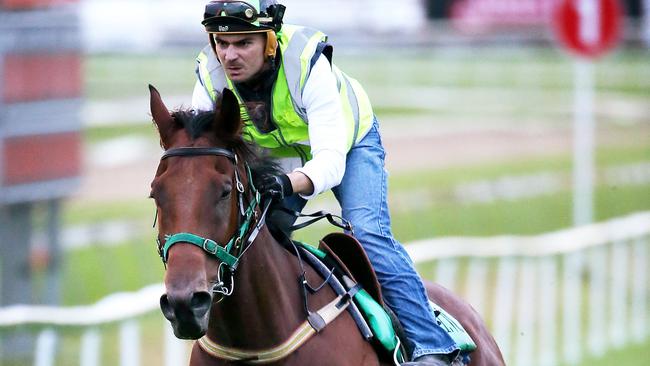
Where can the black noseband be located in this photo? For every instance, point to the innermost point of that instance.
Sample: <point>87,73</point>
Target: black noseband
<point>196,151</point>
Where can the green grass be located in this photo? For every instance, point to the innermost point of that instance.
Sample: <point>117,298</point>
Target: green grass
<point>634,355</point>
<point>534,68</point>
<point>399,111</point>
<point>111,76</point>
<point>95,134</point>
<point>93,272</point>
<point>445,217</point>
<point>78,212</point>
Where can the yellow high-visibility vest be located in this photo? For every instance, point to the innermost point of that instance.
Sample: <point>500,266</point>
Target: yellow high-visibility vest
<point>299,48</point>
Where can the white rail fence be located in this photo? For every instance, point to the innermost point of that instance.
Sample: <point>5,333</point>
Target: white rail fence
<point>551,299</point>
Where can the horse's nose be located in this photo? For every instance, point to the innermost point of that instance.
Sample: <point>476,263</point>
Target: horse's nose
<point>180,306</point>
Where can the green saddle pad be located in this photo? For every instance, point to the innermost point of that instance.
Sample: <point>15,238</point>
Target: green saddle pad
<point>454,328</point>
<point>382,327</point>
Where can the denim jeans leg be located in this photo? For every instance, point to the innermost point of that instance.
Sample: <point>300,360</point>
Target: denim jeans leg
<point>363,198</point>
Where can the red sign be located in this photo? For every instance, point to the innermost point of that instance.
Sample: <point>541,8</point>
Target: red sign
<point>31,4</point>
<point>39,76</point>
<point>588,28</point>
<point>37,158</point>
<point>480,16</point>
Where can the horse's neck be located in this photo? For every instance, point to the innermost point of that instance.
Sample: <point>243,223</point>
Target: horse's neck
<point>266,302</point>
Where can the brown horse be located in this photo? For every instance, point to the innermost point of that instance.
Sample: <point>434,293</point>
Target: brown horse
<point>228,282</point>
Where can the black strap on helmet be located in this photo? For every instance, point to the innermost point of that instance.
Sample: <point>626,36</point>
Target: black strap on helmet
<point>276,12</point>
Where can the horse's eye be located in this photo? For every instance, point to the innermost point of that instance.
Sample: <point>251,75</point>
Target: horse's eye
<point>226,192</point>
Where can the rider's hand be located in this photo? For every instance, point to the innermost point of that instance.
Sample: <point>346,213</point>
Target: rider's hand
<point>278,187</point>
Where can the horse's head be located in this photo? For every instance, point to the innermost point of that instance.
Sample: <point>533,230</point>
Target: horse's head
<point>199,190</point>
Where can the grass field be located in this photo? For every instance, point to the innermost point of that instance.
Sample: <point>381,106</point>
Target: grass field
<point>477,90</point>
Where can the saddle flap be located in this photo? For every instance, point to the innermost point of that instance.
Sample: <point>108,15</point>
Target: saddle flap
<point>350,254</point>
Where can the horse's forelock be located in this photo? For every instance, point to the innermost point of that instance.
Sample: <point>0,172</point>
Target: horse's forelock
<point>195,124</point>
<point>200,123</point>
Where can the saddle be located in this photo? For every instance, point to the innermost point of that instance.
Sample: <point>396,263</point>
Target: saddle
<point>352,267</point>
<point>350,256</point>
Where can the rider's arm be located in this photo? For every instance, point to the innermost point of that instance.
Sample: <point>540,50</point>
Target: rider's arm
<point>327,133</point>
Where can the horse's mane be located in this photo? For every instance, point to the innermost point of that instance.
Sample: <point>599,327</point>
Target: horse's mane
<point>197,124</point>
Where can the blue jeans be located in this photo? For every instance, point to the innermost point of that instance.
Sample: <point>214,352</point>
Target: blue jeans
<point>363,198</point>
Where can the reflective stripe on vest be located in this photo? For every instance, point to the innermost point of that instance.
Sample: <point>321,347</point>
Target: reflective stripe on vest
<point>210,73</point>
<point>298,46</point>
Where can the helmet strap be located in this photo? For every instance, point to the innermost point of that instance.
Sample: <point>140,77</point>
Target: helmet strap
<point>271,45</point>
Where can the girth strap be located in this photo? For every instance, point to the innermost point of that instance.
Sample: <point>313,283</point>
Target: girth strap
<point>301,335</point>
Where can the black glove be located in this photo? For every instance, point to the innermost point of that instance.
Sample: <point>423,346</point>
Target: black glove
<point>278,187</point>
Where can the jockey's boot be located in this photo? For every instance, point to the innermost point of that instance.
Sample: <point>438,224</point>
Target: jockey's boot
<point>429,360</point>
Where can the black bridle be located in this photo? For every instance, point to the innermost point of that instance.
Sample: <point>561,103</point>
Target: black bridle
<point>199,151</point>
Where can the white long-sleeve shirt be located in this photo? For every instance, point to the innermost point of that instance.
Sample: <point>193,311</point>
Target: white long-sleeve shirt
<point>327,128</point>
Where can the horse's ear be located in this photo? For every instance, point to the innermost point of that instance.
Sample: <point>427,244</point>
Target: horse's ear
<point>227,120</point>
<point>161,116</point>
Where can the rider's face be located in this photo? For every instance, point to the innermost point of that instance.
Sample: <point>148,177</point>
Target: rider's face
<point>241,55</point>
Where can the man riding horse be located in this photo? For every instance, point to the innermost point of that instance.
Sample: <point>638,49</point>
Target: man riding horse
<point>297,104</point>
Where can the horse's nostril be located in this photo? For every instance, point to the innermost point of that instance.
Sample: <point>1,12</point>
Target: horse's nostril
<point>200,303</point>
<point>166,307</point>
